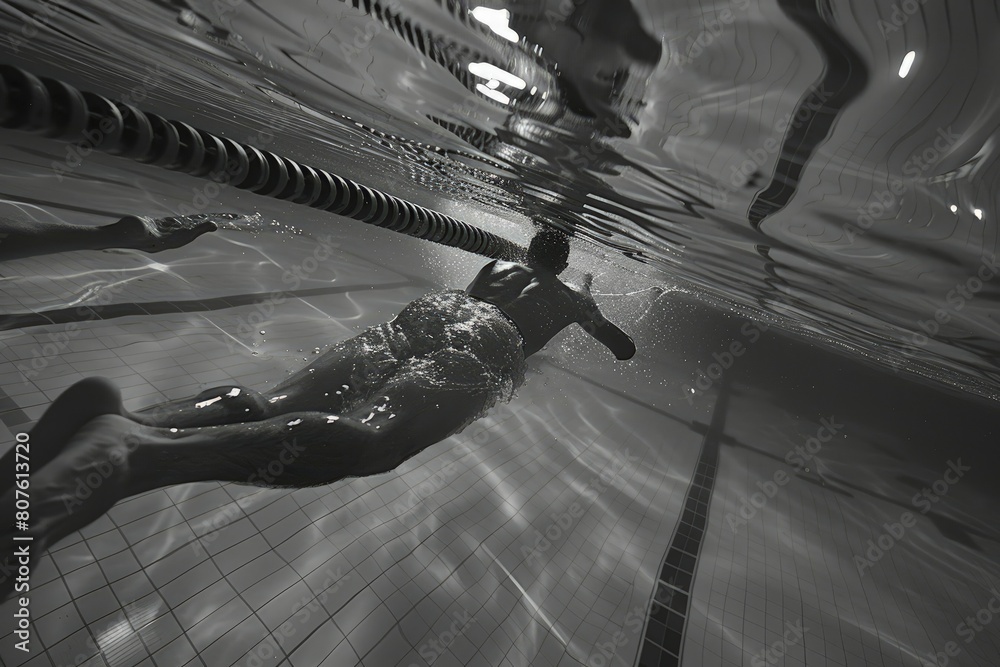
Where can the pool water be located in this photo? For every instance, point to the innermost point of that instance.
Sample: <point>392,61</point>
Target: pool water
<point>784,474</point>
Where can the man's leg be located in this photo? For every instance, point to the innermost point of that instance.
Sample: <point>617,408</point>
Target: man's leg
<point>344,375</point>
<point>75,407</point>
<point>229,404</point>
<point>299,449</point>
<point>112,458</point>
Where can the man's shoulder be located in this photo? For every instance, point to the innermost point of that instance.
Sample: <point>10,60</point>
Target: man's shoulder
<point>521,271</point>
<point>504,265</point>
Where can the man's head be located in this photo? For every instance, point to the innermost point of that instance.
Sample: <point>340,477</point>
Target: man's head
<point>549,249</point>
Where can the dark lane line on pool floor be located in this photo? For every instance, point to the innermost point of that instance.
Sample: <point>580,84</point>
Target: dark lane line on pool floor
<point>115,310</point>
<point>664,636</point>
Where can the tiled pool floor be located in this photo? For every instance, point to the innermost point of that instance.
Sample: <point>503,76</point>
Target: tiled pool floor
<point>536,537</point>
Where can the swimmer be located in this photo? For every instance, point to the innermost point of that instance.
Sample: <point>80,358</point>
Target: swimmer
<point>363,407</point>
<point>27,239</point>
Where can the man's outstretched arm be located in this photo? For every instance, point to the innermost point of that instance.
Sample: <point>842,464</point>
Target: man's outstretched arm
<point>611,337</point>
<point>594,323</point>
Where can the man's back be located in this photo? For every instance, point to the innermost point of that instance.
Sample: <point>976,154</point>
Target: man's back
<point>542,305</point>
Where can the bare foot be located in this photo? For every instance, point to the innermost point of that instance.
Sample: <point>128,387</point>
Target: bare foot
<point>156,234</point>
<point>83,482</point>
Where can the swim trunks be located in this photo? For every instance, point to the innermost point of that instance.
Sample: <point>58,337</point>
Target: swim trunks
<point>504,313</point>
<point>444,339</point>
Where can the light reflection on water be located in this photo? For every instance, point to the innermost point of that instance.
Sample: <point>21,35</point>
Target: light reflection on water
<point>658,172</point>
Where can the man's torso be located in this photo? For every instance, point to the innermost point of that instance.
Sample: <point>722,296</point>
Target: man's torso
<point>537,301</point>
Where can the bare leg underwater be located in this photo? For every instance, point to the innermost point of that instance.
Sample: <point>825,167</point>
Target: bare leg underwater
<point>114,457</point>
